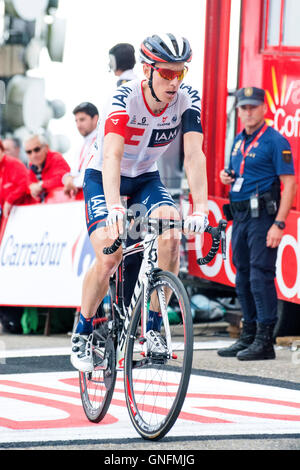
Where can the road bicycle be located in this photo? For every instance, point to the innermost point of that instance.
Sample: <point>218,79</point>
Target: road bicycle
<point>155,383</point>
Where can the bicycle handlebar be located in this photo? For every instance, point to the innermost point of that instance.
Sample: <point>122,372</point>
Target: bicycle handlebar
<point>217,234</point>
<point>109,250</point>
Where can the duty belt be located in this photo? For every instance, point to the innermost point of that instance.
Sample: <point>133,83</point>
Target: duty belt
<point>240,206</point>
<point>264,201</point>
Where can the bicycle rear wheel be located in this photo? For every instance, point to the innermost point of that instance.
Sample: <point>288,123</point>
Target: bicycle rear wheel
<point>156,385</point>
<point>97,387</point>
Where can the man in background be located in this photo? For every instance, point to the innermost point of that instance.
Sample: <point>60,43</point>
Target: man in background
<point>122,62</point>
<point>86,119</point>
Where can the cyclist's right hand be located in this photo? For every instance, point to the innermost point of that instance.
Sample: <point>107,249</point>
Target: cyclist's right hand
<point>196,222</point>
<point>115,219</point>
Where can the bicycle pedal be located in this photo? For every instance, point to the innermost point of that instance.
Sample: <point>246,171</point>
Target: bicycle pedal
<point>159,358</point>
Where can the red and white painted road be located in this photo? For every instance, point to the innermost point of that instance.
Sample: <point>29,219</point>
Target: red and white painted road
<point>45,407</point>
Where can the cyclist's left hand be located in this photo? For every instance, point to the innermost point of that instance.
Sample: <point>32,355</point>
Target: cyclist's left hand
<point>197,222</point>
<point>115,219</point>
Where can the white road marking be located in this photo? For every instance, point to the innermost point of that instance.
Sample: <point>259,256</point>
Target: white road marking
<point>47,407</point>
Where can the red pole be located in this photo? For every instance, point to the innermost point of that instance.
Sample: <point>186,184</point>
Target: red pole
<point>215,92</point>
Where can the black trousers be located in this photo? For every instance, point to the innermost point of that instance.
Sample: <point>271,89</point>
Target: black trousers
<point>255,267</point>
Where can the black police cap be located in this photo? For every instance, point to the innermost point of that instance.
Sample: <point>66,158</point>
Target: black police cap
<point>250,95</point>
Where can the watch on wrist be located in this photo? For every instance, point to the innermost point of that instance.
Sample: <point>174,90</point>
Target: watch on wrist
<point>280,224</point>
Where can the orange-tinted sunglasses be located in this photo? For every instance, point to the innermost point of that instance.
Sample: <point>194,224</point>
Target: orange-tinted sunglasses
<point>168,74</point>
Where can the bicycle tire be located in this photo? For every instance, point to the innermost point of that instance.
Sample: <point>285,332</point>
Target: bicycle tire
<point>154,409</point>
<point>97,387</point>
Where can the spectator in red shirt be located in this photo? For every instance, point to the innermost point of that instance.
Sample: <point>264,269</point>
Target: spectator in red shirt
<point>46,168</point>
<point>14,180</point>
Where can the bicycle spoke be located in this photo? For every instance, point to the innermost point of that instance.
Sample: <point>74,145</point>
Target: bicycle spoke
<point>96,387</point>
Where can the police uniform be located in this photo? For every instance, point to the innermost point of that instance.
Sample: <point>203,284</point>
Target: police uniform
<point>257,160</point>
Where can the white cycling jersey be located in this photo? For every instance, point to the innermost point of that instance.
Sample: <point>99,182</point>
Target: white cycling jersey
<point>146,134</point>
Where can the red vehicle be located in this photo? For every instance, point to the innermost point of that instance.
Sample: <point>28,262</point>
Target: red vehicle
<point>269,58</point>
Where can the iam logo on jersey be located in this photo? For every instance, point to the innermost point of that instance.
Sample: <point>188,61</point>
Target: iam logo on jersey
<point>283,103</point>
<point>83,254</point>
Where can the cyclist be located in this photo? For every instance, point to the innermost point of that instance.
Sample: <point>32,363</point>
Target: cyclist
<point>141,119</point>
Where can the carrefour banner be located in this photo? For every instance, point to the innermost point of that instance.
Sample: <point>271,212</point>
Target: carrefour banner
<point>44,254</point>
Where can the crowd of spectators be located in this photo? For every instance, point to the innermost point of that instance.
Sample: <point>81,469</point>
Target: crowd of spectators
<point>30,171</point>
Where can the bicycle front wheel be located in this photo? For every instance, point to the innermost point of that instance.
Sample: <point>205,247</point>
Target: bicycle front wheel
<point>156,384</point>
<point>97,387</point>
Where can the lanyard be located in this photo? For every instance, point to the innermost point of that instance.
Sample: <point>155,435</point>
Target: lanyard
<point>84,152</point>
<point>262,131</point>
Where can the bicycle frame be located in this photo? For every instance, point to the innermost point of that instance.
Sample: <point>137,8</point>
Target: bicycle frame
<point>148,266</point>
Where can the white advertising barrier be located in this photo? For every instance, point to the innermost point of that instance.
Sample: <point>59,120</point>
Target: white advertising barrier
<point>44,254</point>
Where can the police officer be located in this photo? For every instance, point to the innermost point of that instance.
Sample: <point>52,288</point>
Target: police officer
<point>261,163</point>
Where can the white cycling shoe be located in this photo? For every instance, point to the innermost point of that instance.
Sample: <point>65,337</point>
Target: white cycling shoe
<point>81,354</point>
<point>156,343</point>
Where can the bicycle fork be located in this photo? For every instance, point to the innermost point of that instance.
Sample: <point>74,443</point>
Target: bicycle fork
<point>147,270</point>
